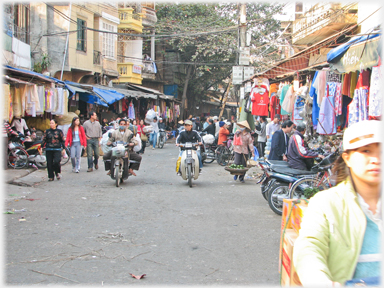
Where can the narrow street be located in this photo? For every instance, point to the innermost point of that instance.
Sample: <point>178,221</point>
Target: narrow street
<point>84,230</point>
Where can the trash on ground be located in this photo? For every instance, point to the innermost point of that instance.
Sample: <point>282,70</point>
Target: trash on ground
<point>9,212</point>
<point>137,277</point>
<point>31,199</point>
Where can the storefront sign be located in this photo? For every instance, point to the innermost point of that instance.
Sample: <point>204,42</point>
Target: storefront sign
<point>359,56</point>
<point>136,69</point>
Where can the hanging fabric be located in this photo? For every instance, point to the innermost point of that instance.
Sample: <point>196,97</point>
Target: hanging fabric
<point>327,115</point>
<point>260,99</point>
<point>358,110</point>
<point>289,100</point>
<point>284,91</point>
<point>131,111</point>
<point>375,97</point>
<point>7,103</point>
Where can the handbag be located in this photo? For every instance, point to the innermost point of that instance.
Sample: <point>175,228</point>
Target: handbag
<point>143,137</point>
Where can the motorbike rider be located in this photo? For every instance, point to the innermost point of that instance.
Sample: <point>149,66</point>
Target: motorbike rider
<point>125,135</point>
<point>298,155</point>
<point>189,135</point>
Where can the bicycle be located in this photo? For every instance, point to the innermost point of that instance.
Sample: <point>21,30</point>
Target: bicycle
<point>224,153</point>
<point>320,181</point>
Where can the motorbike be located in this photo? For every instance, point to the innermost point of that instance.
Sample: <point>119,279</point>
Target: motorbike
<point>207,150</point>
<point>120,165</point>
<point>189,165</point>
<point>22,153</point>
<point>161,137</point>
<point>278,178</point>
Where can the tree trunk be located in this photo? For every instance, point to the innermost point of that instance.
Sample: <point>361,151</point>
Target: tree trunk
<point>184,97</point>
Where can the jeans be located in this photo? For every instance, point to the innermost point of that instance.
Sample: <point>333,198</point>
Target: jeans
<point>198,156</point>
<point>76,155</point>
<point>93,147</point>
<point>153,139</point>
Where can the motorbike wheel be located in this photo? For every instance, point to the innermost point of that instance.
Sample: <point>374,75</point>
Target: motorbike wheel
<point>65,160</point>
<point>279,189</point>
<point>117,176</point>
<point>297,188</point>
<point>161,142</point>
<point>210,152</point>
<point>17,158</point>
<point>189,174</point>
<point>41,165</point>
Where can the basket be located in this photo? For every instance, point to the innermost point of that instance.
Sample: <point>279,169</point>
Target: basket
<point>236,171</point>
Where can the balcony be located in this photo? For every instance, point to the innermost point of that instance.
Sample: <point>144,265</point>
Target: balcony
<point>129,20</point>
<point>322,22</point>
<point>129,73</point>
<point>149,17</point>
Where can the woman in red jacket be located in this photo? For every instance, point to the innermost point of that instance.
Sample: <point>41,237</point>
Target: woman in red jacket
<point>76,140</point>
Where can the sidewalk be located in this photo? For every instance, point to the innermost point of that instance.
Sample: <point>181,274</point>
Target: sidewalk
<point>24,177</point>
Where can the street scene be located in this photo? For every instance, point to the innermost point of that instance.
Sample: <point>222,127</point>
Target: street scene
<point>165,143</point>
<point>83,229</point>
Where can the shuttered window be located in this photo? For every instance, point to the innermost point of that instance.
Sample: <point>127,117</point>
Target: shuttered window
<point>81,35</point>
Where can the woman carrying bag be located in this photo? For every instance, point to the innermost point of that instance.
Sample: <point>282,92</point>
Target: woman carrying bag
<point>243,143</point>
<point>53,141</point>
<point>143,137</point>
<point>76,140</point>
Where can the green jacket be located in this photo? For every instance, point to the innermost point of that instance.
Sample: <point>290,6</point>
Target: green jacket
<point>331,236</point>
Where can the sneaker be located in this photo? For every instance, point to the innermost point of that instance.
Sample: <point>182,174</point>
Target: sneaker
<point>90,170</point>
<point>58,176</point>
<point>74,170</point>
<point>235,177</point>
<point>200,172</point>
<point>242,181</point>
<point>77,170</point>
<point>153,148</point>
<point>178,174</point>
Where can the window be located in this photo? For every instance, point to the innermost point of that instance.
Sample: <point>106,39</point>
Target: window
<point>81,35</point>
<point>109,40</point>
<point>21,27</point>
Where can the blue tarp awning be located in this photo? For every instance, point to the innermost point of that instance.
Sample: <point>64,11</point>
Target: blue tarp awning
<point>110,96</point>
<point>335,54</point>
<point>85,95</point>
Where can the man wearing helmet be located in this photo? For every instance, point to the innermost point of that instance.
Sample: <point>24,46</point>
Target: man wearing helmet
<point>298,154</point>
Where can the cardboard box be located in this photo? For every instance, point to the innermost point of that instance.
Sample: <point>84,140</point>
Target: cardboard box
<point>297,215</point>
<point>287,204</point>
<point>289,276</point>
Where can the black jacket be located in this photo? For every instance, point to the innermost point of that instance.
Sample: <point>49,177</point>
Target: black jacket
<point>279,145</point>
<point>188,136</point>
<point>211,129</point>
<point>298,153</point>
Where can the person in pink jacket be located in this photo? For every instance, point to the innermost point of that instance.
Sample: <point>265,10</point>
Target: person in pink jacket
<point>76,140</point>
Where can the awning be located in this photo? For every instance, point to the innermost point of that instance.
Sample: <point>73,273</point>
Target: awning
<point>28,75</point>
<point>110,96</point>
<point>85,93</point>
<point>15,80</point>
<point>363,55</point>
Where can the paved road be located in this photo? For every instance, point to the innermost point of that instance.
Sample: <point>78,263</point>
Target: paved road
<point>84,230</point>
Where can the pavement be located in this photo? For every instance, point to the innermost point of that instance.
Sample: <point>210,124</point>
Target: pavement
<point>24,177</point>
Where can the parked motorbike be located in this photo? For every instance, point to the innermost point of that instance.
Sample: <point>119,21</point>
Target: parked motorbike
<point>121,162</point>
<point>189,165</point>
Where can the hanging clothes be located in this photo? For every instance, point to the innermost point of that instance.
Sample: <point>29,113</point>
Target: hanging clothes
<point>17,101</point>
<point>275,107</point>
<point>260,100</point>
<point>338,99</point>
<point>131,111</point>
<point>315,106</point>
<point>346,84</point>
<point>7,102</point>
<point>284,91</point>
<point>319,85</point>
<point>289,100</point>
<point>358,110</point>
<point>327,115</point>
<point>352,87</point>
<point>375,97</point>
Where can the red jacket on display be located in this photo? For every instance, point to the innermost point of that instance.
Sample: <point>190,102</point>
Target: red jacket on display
<point>260,100</point>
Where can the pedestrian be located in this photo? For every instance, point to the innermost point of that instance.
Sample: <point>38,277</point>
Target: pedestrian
<point>262,136</point>
<point>341,231</point>
<point>280,140</point>
<point>53,141</point>
<point>93,134</point>
<point>143,136</point>
<point>243,144</point>
<point>7,132</point>
<point>77,141</point>
<point>273,126</point>
<point>20,125</point>
<point>298,156</point>
<point>217,127</point>
<point>206,123</point>
<point>211,128</point>
<point>153,135</point>
<point>223,133</point>
<point>198,124</point>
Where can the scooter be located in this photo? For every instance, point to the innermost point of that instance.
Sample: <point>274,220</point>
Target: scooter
<point>189,165</point>
<point>208,148</point>
<point>161,137</point>
<point>120,165</point>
